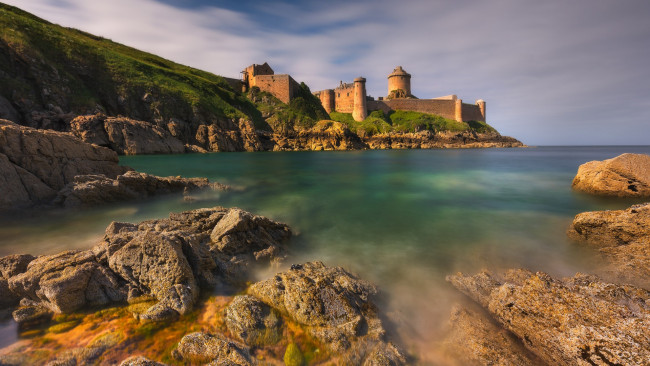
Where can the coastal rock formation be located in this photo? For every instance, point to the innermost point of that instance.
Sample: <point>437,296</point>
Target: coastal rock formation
<point>36,164</point>
<point>333,305</point>
<point>140,361</point>
<point>125,136</point>
<point>622,237</point>
<point>436,140</point>
<point>95,189</point>
<point>627,175</point>
<point>474,339</point>
<point>253,322</point>
<point>573,321</point>
<point>170,260</point>
<point>325,135</point>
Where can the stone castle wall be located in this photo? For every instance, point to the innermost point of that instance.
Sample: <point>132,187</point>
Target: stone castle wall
<point>344,98</point>
<point>442,107</point>
<point>472,112</point>
<point>282,87</point>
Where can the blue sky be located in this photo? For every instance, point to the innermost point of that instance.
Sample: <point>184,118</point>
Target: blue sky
<point>552,72</point>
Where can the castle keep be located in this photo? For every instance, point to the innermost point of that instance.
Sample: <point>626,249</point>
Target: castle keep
<point>282,86</point>
<point>352,98</point>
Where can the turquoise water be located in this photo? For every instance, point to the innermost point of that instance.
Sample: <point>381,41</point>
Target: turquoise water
<point>401,218</point>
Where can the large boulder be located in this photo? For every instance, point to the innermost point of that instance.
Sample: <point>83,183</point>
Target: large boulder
<point>622,237</point>
<point>333,305</point>
<point>201,348</point>
<point>253,322</point>
<point>35,164</point>
<point>573,321</point>
<point>126,136</point>
<point>627,175</point>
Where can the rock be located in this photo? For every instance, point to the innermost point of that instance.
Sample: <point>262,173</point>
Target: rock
<point>93,190</point>
<point>12,265</point>
<point>476,340</point>
<point>574,321</point>
<point>8,299</point>
<point>333,305</point>
<point>202,348</point>
<point>7,111</point>
<point>35,164</point>
<point>622,237</point>
<point>169,260</point>
<point>125,135</point>
<point>67,282</point>
<point>253,322</point>
<point>31,315</point>
<point>626,175</point>
<point>140,361</point>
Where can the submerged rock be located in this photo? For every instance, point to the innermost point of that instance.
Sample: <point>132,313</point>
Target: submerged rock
<point>627,175</point>
<point>574,321</point>
<point>168,259</point>
<point>622,237</point>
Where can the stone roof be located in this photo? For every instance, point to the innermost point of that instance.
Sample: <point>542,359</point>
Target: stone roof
<point>399,71</point>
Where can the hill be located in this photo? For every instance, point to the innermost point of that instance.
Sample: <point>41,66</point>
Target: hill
<point>49,75</point>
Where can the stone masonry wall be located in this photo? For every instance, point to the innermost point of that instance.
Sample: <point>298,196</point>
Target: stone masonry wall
<point>344,99</point>
<point>444,108</point>
<point>472,112</point>
<point>282,87</point>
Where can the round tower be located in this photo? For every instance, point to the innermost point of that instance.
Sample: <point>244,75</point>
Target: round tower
<point>399,80</point>
<point>481,105</point>
<point>360,111</point>
<point>327,100</point>
<point>458,110</point>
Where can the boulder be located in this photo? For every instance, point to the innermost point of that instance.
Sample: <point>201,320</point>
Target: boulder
<point>626,175</point>
<point>140,361</point>
<point>35,164</point>
<point>622,237</point>
<point>253,322</point>
<point>333,305</point>
<point>573,321</point>
<point>126,136</point>
<point>14,264</point>
<point>199,348</point>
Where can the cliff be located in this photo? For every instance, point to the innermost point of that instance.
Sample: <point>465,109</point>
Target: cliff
<point>50,75</point>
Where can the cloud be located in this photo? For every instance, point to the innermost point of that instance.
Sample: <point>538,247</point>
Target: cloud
<point>552,72</point>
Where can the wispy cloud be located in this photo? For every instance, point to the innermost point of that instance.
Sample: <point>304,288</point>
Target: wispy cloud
<point>552,72</point>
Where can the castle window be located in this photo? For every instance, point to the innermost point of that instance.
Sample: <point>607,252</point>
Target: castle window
<point>348,94</point>
<point>339,95</point>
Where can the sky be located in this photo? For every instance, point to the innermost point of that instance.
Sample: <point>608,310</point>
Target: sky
<point>552,72</point>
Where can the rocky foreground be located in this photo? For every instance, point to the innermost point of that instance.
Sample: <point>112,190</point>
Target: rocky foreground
<point>172,261</point>
<point>43,168</point>
<point>581,320</point>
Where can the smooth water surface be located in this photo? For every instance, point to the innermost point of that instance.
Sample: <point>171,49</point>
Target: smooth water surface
<point>403,219</point>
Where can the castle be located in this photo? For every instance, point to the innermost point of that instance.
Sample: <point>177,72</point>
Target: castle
<point>352,97</point>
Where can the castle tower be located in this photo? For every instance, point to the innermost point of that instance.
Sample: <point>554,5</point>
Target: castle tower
<point>327,100</point>
<point>360,111</point>
<point>459,110</point>
<point>481,105</point>
<point>399,80</point>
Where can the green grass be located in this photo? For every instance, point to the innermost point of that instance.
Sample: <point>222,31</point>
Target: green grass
<point>89,70</point>
<point>407,121</point>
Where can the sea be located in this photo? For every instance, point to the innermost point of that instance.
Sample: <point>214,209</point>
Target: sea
<point>402,219</point>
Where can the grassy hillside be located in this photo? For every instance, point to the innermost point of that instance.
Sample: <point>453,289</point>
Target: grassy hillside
<point>407,121</point>
<point>45,64</point>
